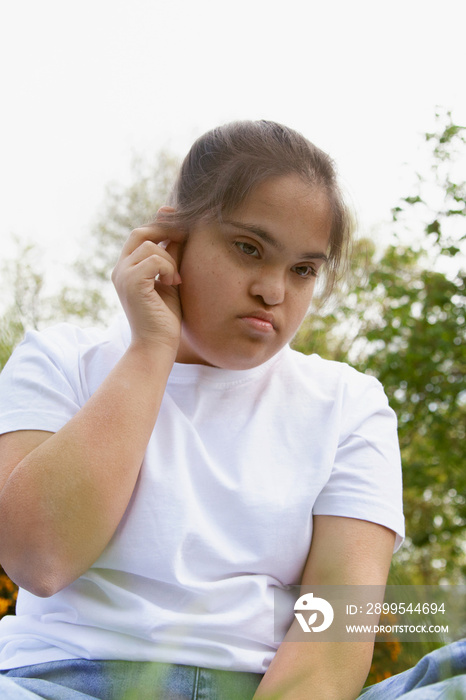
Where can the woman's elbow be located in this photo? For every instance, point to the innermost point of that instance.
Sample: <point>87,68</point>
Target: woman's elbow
<point>41,580</point>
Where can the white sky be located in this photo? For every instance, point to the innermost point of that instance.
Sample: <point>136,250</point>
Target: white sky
<point>85,84</point>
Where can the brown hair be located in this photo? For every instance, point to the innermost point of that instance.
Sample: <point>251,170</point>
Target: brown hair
<point>225,164</point>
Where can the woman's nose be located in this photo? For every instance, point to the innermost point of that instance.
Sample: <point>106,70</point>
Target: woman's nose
<point>270,286</point>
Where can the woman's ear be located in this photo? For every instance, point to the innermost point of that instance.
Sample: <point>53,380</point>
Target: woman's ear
<point>175,248</point>
<point>165,209</point>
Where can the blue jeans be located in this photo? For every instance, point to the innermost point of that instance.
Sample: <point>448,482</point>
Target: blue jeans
<point>124,680</point>
<point>441,675</point>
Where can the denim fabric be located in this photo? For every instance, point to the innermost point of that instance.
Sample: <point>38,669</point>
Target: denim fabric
<point>441,675</point>
<point>124,680</point>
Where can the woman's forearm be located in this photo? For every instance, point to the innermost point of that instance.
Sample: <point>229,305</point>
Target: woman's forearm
<point>344,551</point>
<point>316,671</point>
<point>62,503</point>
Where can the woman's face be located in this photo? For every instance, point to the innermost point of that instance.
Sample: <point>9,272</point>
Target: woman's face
<point>247,282</point>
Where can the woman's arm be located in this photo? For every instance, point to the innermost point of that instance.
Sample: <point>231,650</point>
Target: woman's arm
<point>344,551</point>
<point>63,495</point>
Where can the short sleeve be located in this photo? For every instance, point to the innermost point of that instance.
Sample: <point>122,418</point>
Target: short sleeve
<point>39,385</point>
<point>365,481</point>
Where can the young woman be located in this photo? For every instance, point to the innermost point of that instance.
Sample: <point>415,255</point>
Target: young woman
<point>161,479</point>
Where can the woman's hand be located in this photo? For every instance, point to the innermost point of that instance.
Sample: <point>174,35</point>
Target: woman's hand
<point>146,278</point>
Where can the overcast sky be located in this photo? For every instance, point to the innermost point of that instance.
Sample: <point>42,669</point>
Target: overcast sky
<point>86,84</point>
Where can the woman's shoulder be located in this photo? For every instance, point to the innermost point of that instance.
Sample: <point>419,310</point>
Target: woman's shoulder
<point>358,395</point>
<point>66,333</point>
<point>68,350</point>
<point>53,371</point>
<point>68,339</point>
<point>320,370</point>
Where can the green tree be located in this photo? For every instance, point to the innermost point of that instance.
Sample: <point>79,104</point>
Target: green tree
<point>402,318</point>
<point>404,322</point>
<point>90,297</point>
<point>22,283</point>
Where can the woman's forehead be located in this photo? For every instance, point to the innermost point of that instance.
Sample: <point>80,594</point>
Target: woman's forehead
<point>286,203</point>
<point>283,191</point>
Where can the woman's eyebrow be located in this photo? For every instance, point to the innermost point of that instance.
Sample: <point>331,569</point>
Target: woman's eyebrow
<point>268,238</point>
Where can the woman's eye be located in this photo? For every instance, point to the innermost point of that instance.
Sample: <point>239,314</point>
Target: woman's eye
<point>247,248</point>
<point>305,271</point>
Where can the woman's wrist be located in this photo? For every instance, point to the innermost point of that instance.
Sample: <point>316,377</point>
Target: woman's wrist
<point>154,354</point>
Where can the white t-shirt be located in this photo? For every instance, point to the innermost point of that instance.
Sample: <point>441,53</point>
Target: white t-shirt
<point>221,514</point>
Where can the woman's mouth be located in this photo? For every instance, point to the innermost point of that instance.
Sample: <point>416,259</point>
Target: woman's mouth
<point>259,321</point>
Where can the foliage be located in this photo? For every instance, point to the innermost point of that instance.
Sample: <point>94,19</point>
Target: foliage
<point>8,593</point>
<point>402,319</point>
<point>404,322</point>
<point>28,305</point>
<point>23,308</point>
<point>87,299</point>
<point>124,208</point>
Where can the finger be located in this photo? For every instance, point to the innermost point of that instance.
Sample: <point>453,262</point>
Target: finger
<point>151,232</point>
<point>148,248</point>
<point>157,269</point>
<point>161,263</point>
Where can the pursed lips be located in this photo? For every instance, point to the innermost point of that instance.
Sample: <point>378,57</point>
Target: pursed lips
<point>261,316</point>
